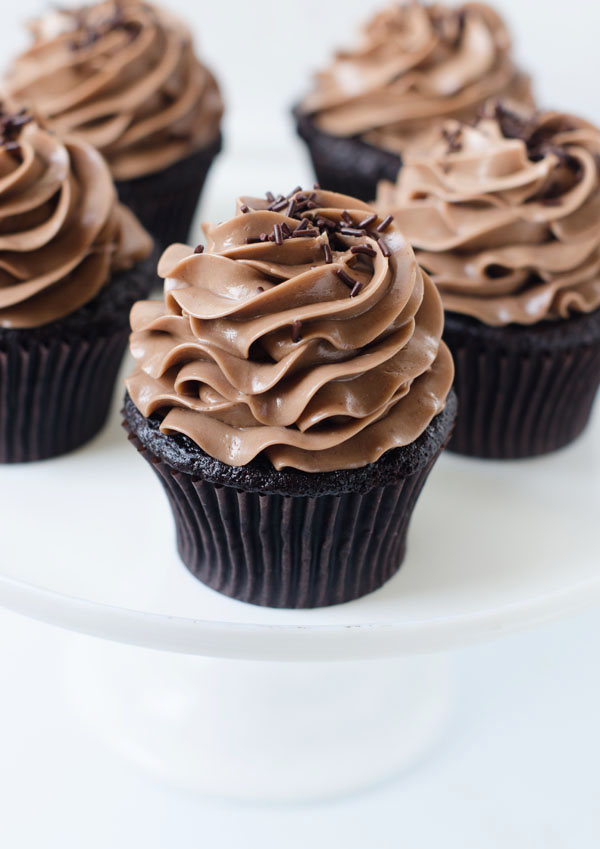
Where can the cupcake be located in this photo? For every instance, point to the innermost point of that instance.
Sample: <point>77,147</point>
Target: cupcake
<point>291,392</point>
<point>72,262</point>
<point>505,216</point>
<point>122,74</point>
<point>417,65</point>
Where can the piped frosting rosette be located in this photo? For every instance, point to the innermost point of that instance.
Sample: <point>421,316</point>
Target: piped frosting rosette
<point>417,64</point>
<point>62,231</point>
<point>305,332</point>
<point>505,216</point>
<point>123,75</point>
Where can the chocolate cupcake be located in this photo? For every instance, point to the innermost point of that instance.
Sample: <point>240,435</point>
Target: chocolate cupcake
<point>417,65</point>
<point>72,262</point>
<point>122,74</point>
<point>505,216</point>
<point>291,392</point>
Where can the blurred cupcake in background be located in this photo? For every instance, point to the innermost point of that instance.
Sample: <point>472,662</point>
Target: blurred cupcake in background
<point>292,393</point>
<point>72,262</point>
<point>123,75</point>
<point>416,65</point>
<point>505,216</point>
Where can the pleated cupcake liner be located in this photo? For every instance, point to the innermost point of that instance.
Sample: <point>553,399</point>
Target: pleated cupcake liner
<point>347,164</point>
<point>166,202</point>
<point>291,551</point>
<point>55,395</point>
<point>57,380</point>
<point>524,393</point>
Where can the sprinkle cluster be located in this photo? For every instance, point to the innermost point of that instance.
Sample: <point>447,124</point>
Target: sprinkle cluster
<point>302,206</point>
<point>538,141</point>
<point>91,32</point>
<point>11,125</point>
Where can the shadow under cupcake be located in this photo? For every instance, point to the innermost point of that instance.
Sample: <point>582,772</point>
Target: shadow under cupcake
<point>416,66</point>
<point>124,77</point>
<point>292,394</point>
<point>72,263</point>
<point>505,216</point>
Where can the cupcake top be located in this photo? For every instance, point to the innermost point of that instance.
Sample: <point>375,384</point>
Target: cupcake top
<point>505,215</point>
<point>62,231</point>
<point>305,332</point>
<point>417,64</point>
<point>123,75</point>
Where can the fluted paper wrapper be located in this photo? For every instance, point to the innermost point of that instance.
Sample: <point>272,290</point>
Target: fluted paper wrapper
<point>166,202</point>
<point>349,165</point>
<point>55,396</point>
<point>524,393</point>
<point>288,551</point>
<point>57,381</point>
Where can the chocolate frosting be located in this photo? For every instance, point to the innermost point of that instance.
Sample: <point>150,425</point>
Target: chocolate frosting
<point>123,75</point>
<point>417,64</point>
<point>505,216</point>
<point>281,340</point>
<point>62,232</point>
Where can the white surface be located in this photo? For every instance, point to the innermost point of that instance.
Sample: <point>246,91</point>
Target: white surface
<point>518,768</point>
<point>276,732</point>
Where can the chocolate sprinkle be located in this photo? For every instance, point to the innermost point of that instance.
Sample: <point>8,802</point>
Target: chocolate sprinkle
<point>357,289</point>
<point>345,278</point>
<point>381,228</point>
<point>453,140</point>
<point>328,254</point>
<point>244,208</point>
<point>310,234</point>
<point>277,234</point>
<point>352,231</point>
<point>366,222</point>
<point>199,249</point>
<point>367,250</point>
<point>384,248</point>
<point>296,331</point>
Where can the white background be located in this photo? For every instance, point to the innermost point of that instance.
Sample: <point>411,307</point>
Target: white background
<point>520,766</point>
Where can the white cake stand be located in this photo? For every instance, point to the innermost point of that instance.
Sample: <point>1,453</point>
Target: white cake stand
<point>87,544</point>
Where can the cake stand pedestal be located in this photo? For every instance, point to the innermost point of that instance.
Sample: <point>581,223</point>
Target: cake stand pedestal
<point>229,699</point>
<point>258,730</point>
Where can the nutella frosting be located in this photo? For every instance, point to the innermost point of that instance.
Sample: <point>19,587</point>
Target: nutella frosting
<point>505,216</point>
<point>305,332</point>
<point>62,231</point>
<point>417,65</point>
<point>122,74</point>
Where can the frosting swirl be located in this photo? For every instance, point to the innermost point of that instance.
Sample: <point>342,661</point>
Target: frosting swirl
<point>62,231</point>
<point>417,65</point>
<point>505,216</point>
<point>123,75</point>
<point>306,332</point>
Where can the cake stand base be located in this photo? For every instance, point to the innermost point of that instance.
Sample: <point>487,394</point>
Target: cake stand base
<point>261,731</point>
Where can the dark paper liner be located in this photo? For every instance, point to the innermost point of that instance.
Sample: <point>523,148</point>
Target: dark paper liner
<point>166,202</point>
<point>293,551</point>
<point>56,381</point>
<point>523,391</point>
<point>347,165</point>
